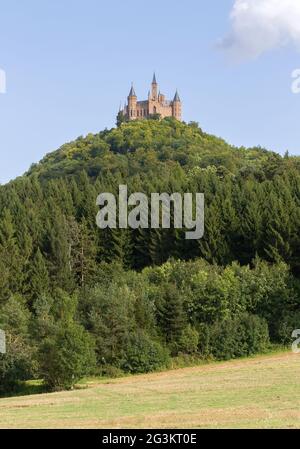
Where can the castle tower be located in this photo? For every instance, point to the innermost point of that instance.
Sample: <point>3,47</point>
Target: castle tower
<point>132,103</point>
<point>154,89</point>
<point>177,106</point>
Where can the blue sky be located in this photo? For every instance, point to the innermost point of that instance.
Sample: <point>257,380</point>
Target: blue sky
<point>68,64</point>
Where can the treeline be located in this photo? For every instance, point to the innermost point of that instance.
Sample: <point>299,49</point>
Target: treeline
<point>135,322</point>
<point>75,299</point>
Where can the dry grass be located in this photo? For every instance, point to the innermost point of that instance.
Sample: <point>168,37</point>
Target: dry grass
<point>262,392</point>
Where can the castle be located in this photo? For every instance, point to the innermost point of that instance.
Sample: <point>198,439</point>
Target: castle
<point>155,105</point>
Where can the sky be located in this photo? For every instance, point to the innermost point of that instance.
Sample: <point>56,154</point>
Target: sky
<point>69,63</point>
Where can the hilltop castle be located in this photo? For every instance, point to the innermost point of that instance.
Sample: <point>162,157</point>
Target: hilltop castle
<point>156,104</point>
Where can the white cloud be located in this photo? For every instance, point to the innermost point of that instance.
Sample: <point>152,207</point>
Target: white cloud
<point>258,26</point>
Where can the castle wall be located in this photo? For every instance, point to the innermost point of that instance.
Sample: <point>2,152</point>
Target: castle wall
<point>165,110</point>
<point>142,109</point>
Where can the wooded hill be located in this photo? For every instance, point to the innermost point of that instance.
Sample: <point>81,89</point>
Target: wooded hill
<point>129,299</point>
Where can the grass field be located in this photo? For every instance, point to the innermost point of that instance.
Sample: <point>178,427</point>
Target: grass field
<point>262,392</point>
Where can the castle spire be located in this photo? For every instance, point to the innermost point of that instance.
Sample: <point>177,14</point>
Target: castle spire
<point>176,97</point>
<point>132,91</point>
<point>154,88</point>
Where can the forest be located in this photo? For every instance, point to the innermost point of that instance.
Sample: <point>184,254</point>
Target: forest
<point>76,300</point>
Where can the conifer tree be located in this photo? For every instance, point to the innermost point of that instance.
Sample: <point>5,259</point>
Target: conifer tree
<point>10,253</point>
<point>172,316</point>
<point>38,278</point>
<point>83,252</point>
<point>60,252</point>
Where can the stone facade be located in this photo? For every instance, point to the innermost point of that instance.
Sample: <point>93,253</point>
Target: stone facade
<point>156,104</point>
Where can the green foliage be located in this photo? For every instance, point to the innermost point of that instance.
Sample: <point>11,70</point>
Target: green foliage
<point>108,313</point>
<point>66,351</point>
<point>189,341</point>
<point>121,118</point>
<point>62,277</point>
<point>38,276</point>
<point>144,355</point>
<point>66,356</point>
<point>110,371</point>
<point>288,324</point>
<point>171,316</point>
<point>19,362</point>
<point>235,337</point>
<point>48,220</point>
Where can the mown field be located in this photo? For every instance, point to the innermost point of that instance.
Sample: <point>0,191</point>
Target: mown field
<point>262,392</point>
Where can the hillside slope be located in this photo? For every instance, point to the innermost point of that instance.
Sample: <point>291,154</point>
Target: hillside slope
<point>141,146</point>
<point>254,393</point>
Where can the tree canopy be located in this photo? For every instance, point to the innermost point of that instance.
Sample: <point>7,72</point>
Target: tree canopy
<point>147,290</point>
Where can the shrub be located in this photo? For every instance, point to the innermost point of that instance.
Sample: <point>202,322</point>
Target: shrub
<point>17,365</point>
<point>67,356</point>
<point>252,335</point>
<point>19,362</point>
<point>189,341</point>
<point>144,355</point>
<point>113,372</point>
<point>237,337</point>
<point>222,342</point>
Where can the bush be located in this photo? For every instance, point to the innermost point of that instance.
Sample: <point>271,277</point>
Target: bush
<point>252,335</point>
<point>19,362</point>
<point>113,372</point>
<point>238,337</point>
<point>189,341</point>
<point>222,340</point>
<point>67,356</point>
<point>144,355</point>
<point>17,365</point>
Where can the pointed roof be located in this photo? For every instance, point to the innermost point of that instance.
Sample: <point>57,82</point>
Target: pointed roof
<point>154,79</point>
<point>132,91</point>
<point>176,98</point>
